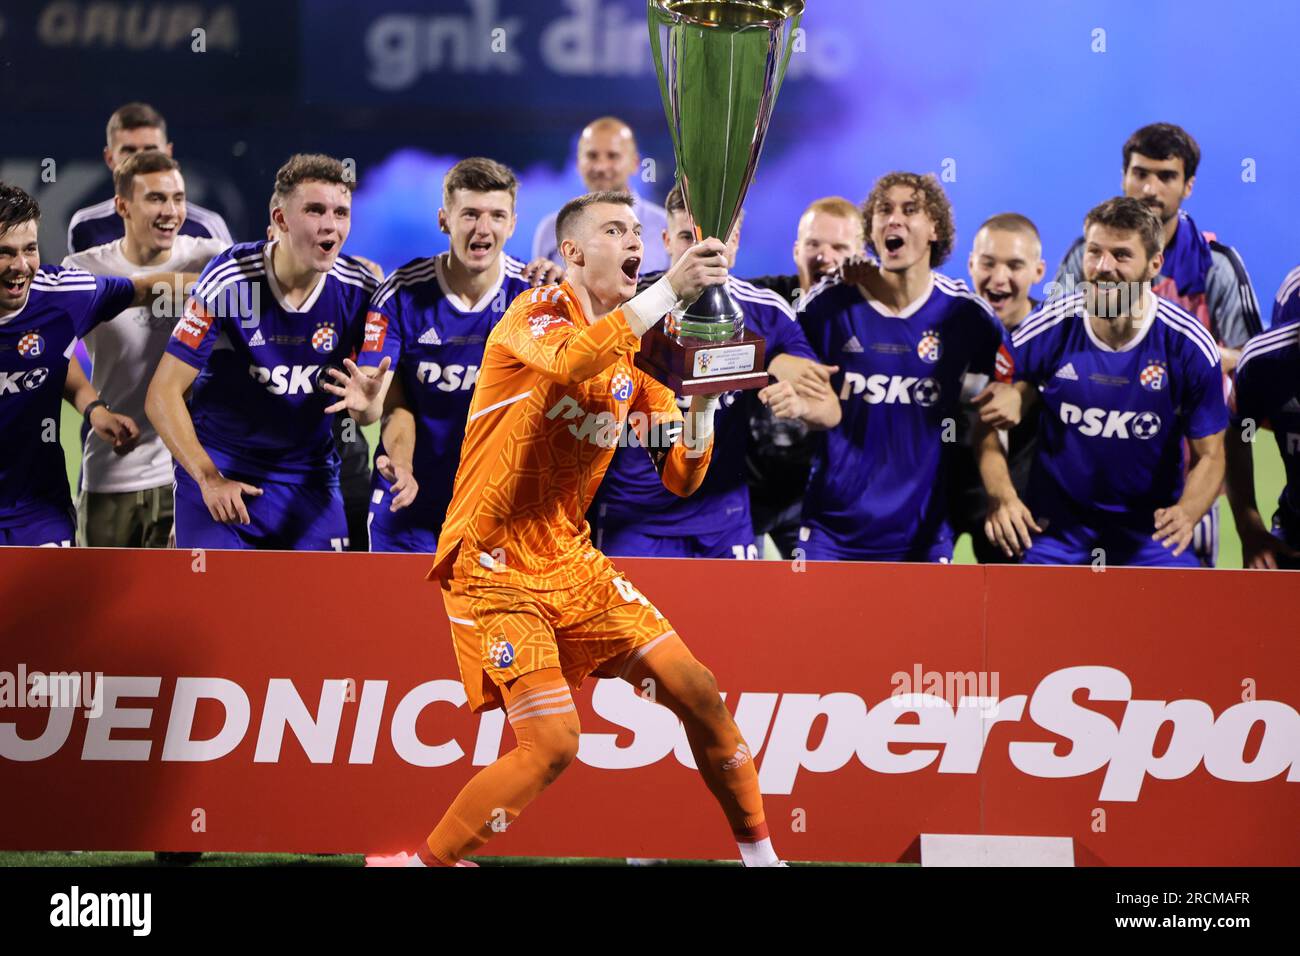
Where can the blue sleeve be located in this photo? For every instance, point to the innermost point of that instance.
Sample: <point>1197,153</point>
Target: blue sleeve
<point>1247,400</point>
<point>382,334</point>
<point>787,338</point>
<point>1286,307</point>
<point>814,315</point>
<point>196,332</point>
<point>1205,410</point>
<point>990,337</point>
<point>111,296</point>
<point>1027,359</point>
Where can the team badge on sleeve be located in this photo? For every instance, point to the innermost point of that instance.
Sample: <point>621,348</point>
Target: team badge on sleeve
<point>376,332</point>
<point>541,324</point>
<point>620,386</point>
<point>324,338</point>
<point>929,348</point>
<point>1153,376</point>
<point>1004,365</point>
<point>194,324</point>
<point>31,345</point>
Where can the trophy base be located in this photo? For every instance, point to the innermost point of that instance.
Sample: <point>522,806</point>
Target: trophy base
<point>693,367</point>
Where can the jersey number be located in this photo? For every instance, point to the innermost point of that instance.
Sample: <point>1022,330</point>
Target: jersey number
<point>629,593</point>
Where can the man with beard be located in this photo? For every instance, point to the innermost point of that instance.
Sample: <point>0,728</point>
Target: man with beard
<point>1125,377</point>
<point>1201,274</point>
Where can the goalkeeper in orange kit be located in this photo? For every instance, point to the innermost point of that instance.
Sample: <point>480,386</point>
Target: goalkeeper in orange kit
<point>534,607</point>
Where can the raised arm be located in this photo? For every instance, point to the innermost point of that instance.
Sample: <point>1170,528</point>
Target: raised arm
<point>550,344</point>
<point>164,292</point>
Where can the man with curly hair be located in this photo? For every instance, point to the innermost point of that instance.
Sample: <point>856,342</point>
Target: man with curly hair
<point>903,338</point>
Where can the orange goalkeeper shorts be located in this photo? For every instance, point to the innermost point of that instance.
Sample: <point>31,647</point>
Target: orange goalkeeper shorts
<point>502,630</point>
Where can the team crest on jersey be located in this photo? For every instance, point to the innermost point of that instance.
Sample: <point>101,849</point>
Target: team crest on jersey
<point>1153,376</point>
<point>620,386</point>
<point>325,338</point>
<point>31,345</point>
<point>501,653</point>
<point>929,348</point>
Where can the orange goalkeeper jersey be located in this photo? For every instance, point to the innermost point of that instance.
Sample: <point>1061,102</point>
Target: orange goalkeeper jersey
<point>552,397</point>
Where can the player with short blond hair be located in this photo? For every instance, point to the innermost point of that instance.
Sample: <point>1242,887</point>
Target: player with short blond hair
<point>534,607</point>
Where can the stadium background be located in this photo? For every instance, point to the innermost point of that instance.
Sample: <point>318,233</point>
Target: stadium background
<point>1022,106</point>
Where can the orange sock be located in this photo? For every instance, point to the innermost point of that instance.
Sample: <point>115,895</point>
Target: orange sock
<point>720,751</point>
<point>541,712</point>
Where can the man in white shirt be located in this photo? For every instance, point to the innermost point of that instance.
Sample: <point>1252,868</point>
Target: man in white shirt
<point>607,160</point>
<point>126,498</point>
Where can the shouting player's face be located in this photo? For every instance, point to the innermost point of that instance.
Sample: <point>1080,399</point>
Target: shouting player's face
<point>1118,269</point>
<point>128,142</point>
<point>607,157</point>
<point>20,257</point>
<point>317,217</point>
<point>156,209</point>
<point>824,241</point>
<point>479,225</point>
<point>901,230</point>
<point>610,249</point>
<point>1004,265</point>
<point>1159,184</point>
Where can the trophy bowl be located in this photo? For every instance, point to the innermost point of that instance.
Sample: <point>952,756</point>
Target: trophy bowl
<point>720,64</point>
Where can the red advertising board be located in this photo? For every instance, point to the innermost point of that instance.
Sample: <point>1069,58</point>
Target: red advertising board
<point>310,702</point>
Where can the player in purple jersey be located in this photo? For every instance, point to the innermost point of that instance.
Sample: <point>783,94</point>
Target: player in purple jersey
<point>268,329</point>
<point>1124,376</point>
<point>1200,274</point>
<point>431,318</point>
<point>904,337</point>
<point>43,311</point>
<point>634,515</point>
<point>1005,263</point>
<point>135,128</point>
<point>781,450</point>
<point>1266,393</point>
